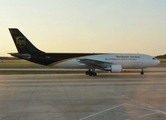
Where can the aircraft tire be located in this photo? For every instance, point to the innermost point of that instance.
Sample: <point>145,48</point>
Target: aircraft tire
<point>90,74</point>
<point>87,72</point>
<point>94,74</point>
<point>142,72</point>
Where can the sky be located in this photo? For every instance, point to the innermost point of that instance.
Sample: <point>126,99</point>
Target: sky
<point>86,26</point>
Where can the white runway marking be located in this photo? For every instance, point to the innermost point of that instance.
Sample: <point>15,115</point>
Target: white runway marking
<point>155,111</point>
<point>101,112</point>
<point>162,112</point>
<point>149,114</point>
<point>141,107</point>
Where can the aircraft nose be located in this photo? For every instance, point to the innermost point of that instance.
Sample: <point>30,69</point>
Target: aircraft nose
<point>158,62</point>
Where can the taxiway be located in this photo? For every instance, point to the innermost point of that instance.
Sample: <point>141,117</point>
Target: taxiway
<point>109,96</point>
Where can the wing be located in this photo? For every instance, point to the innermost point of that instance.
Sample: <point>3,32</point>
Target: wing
<point>95,63</point>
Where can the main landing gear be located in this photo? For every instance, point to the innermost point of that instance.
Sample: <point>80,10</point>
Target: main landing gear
<point>91,72</point>
<point>142,72</point>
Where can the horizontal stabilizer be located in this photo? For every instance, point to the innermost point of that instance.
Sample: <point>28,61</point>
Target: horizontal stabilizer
<point>25,56</point>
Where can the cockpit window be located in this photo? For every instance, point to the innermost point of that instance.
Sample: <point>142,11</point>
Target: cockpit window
<point>154,58</point>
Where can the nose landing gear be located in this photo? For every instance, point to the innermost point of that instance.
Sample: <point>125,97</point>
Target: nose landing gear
<point>142,72</point>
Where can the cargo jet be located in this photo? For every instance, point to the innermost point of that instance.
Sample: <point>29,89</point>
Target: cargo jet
<point>113,62</point>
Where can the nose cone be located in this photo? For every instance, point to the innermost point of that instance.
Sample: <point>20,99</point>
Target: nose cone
<point>157,62</point>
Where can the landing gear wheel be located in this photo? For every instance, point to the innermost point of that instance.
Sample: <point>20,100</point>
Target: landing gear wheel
<point>87,72</point>
<point>94,74</point>
<point>142,72</point>
<point>91,73</point>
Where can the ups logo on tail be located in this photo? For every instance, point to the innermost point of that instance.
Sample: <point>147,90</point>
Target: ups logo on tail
<point>20,42</point>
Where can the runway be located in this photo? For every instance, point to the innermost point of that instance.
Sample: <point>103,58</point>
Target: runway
<point>109,96</point>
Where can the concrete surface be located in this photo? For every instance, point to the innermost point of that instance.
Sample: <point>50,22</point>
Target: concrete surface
<point>109,96</point>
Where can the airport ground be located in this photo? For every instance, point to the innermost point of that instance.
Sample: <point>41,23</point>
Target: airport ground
<point>75,96</point>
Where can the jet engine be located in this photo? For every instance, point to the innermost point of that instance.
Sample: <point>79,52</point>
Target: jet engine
<point>114,68</point>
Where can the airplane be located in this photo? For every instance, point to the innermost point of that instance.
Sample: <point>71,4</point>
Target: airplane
<point>113,62</point>
<point>1,61</point>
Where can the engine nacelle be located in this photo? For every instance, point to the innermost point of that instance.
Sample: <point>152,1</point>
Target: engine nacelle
<point>114,68</point>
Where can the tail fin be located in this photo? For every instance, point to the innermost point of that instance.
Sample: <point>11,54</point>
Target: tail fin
<point>23,45</point>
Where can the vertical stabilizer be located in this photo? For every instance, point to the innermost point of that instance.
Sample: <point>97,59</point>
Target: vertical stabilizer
<point>23,45</point>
